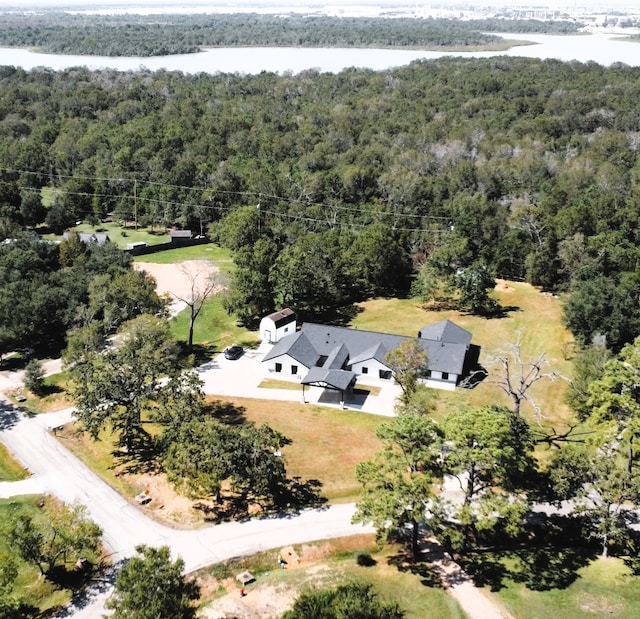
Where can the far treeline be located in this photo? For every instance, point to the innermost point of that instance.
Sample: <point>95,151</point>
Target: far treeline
<point>430,179</point>
<point>158,35</point>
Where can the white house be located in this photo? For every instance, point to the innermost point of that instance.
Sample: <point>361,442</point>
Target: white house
<point>334,357</point>
<point>275,326</point>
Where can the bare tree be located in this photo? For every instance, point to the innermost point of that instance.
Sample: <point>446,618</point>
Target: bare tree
<point>204,280</point>
<point>515,375</point>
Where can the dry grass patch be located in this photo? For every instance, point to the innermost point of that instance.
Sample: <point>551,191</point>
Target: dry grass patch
<point>326,443</point>
<point>323,564</point>
<point>533,316</point>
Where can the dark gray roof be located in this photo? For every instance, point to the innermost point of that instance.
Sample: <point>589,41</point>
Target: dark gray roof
<point>282,317</point>
<point>334,379</point>
<point>445,331</point>
<point>298,347</point>
<point>314,341</point>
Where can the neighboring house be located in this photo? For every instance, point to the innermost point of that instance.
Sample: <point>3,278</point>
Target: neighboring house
<point>180,236</point>
<point>334,357</point>
<point>275,326</point>
<point>94,238</point>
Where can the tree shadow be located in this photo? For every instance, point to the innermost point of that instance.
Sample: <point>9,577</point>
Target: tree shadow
<point>197,355</point>
<point>338,316</point>
<point>423,567</point>
<point>486,570</point>
<point>9,415</point>
<point>543,569</point>
<point>298,493</point>
<point>98,584</point>
<point>292,496</point>
<point>549,558</point>
<point>496,312</point>
<point>227,413</point>
<point>46,390</point>
<point>136,455</point>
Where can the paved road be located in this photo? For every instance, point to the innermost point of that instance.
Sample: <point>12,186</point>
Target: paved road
<point>56,471</point>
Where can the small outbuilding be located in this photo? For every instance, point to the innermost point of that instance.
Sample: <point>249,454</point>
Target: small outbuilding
<point>180,237</point>
<point>277,325</point>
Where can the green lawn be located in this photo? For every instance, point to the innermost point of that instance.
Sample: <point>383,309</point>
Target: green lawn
<point>30,587</point>
<point>209,251</point>
<point>326,443</point>
<point>121,235</point>
<point>604,588</point>
<point>54,398</point>
<point>214,328</point>
<point>10,469</point>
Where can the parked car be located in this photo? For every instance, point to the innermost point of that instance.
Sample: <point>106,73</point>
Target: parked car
<point>233,352</point>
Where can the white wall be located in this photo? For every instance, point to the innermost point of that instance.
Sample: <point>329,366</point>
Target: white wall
<point>269,333</point>
<point>286,361</point>
<point>372,366</point>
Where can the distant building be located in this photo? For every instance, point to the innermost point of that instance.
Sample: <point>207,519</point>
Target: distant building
<point>180,236</point>
<point>89,238</point>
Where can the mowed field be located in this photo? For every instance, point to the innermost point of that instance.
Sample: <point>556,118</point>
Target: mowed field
<point>531,317</point>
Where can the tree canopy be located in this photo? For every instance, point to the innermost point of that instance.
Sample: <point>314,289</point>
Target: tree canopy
<point>357,181</point>
<point>152,586</point>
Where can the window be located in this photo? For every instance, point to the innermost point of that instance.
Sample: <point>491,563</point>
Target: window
<point>386,374</point>
<point>365,370</point>
<point>278,367</point>
<point>286,329</point>
<point>445,375</point>
<point>294,369</point>
<point>428,373</point>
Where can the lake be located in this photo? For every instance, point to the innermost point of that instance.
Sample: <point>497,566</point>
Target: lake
<point>599,48</point>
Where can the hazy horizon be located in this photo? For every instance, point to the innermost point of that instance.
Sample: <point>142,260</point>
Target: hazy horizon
<point>574,5</point>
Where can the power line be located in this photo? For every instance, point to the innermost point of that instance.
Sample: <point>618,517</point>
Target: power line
<point>137,198</point>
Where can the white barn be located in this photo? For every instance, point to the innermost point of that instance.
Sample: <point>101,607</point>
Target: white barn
<point>275,326</point>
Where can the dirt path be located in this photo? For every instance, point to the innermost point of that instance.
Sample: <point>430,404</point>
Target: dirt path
<point>473,600</point>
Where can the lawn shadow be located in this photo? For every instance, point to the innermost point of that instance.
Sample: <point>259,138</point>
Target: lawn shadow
<point>548,559</point>
<point>47,390</point>
<point>338,316</point>
<point>138,455</point>
<point>300,493</point>
<point>499,311</point>
<point>198,354</point>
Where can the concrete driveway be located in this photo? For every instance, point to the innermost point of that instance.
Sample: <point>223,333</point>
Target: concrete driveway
<point>242,377</point>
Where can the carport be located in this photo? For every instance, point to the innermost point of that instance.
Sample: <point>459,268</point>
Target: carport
<point>335,380</point>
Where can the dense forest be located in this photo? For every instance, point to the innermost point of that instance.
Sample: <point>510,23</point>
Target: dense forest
<point>332,188</point>
<point>135,35</point>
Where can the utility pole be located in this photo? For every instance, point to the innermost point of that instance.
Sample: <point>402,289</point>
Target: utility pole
<point>135,204</point>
